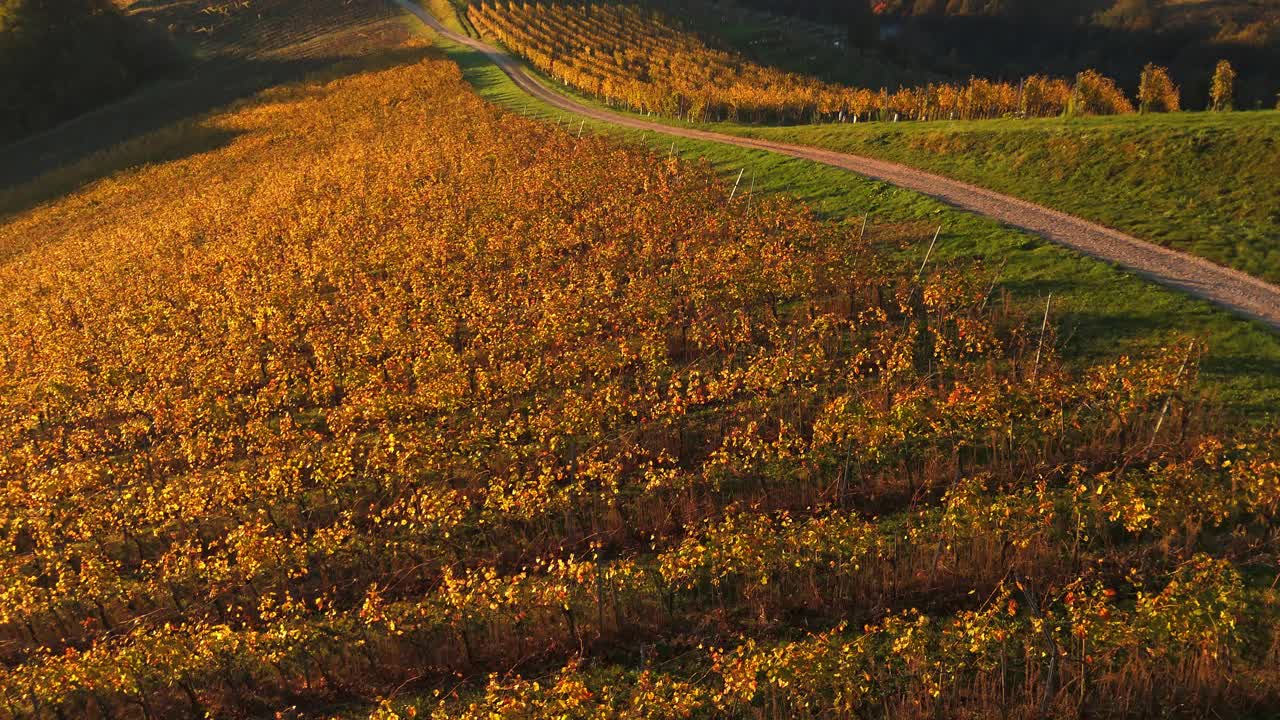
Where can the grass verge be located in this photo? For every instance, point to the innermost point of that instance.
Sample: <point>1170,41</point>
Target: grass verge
<point>1200,182</point>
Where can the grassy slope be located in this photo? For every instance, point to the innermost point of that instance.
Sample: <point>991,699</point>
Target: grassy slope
<point>1200,182</point>
<point>1098,310</point>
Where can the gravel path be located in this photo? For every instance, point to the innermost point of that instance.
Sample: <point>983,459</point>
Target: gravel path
<point>1227,288</point>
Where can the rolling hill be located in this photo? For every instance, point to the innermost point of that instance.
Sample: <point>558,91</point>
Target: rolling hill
<point>370,387</point>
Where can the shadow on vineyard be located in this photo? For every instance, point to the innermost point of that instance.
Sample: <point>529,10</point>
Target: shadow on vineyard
<point>59,59</point>
<point>156,125</point>
<point>233,49</point>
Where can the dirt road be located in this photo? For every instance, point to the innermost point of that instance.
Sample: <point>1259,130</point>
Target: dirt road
<point>1227,288</point>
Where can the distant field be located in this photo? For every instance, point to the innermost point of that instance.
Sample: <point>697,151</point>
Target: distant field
<point>256,28</point>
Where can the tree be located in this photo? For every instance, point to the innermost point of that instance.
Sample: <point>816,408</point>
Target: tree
<point>1156,91</point>
<point>1222,96</point>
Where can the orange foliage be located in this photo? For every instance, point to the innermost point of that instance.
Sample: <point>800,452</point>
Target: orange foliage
<point>346,408</point>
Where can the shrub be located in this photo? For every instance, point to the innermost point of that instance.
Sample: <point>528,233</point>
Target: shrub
<point>1156,91</point>
<point>1222,95</point>
<point>1096,94</point>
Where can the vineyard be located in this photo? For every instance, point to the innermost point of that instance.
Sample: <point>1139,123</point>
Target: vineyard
<point>500,421</point>
<point>636,58</point>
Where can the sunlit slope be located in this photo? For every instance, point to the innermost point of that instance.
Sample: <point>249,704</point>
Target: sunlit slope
<point>1200,182</point>
<point>382,391</point>
<point>231,50</point>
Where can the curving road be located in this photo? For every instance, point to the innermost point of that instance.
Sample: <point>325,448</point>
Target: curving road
<point>1231,289</point>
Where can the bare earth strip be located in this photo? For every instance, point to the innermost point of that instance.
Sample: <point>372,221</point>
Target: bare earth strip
<point>1231,289</point>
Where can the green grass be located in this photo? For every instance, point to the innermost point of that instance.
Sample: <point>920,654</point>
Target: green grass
<point>1206,183</point>
<point>453,13</point>
<point>1100,311</point>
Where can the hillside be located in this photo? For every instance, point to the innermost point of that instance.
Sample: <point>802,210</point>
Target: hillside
<point>1203,183</point>
<point>232,49</point>
<point>60,59</point>
<point>349,381</point>
<point>495,420</point>
<point>630,56</point>
<point>1199,182</point>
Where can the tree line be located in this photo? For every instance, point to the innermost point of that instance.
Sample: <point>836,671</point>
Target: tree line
<point>1015,38</point>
